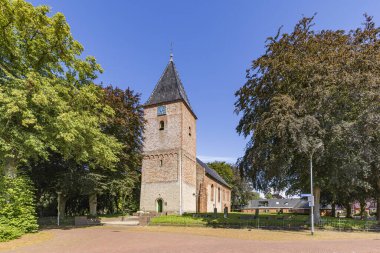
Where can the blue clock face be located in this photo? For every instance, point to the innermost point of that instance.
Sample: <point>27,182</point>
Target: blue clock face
<point>161,110</point>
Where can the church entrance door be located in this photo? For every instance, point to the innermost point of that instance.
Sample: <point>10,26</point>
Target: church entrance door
<point>159,205</point>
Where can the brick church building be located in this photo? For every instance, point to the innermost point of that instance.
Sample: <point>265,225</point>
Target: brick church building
<point>173,179</point>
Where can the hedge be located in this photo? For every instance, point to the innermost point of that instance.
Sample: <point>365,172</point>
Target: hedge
<point>17,207</point>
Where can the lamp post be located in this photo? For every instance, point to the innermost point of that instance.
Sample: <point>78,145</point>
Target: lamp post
<point>311,186</point>
<point>59,201</point>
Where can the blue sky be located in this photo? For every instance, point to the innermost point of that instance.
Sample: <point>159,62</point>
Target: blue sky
<point>214,43</point>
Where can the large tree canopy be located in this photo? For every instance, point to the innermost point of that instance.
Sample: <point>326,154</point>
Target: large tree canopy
<point>309,88</point>
<point>48,102</point>
<point>116,188</point>
<point>59,128</point>
<point>123,184</point>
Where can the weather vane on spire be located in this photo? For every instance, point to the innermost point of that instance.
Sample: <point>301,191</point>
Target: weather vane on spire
<point>171,51</point>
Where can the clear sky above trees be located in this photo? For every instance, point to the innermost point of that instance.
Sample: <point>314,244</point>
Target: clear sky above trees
<point>214,42</point>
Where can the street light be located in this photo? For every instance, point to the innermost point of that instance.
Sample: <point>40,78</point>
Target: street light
<point>311,185</point>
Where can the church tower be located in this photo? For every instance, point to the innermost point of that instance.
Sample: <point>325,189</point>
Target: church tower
<point>168,182</point>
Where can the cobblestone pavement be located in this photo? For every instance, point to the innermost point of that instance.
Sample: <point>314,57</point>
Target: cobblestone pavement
<point>184,240</point>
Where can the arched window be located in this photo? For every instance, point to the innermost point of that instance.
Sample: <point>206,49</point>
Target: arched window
<point>161,162</point>
<point>189,131</point>
<point>162,125</point>
<point>224,195</point>
<point>218,194</point>
<point>212,192</point>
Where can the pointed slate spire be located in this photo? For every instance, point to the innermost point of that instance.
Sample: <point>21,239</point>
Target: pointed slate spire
<point>169,88</point>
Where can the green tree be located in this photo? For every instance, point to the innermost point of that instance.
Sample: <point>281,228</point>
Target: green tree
<point>255,195</point>
<point>241,189</point>
<point>308,89</point>
<point>268,195</point>
<point>127,127</point>
<point>118,187</point>
<point>48,101</point>
<point>225,170</point>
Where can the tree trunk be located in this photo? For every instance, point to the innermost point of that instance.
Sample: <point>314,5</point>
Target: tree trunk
<point>378,202</point>
<point>62,206</point>
<point>348,210</point>
<point>10,168</point>
<point>257,213</point>
<point>362,208</point>
<point>115,205</point>
<point>317,198</point>
<point>378,209</point>
<point>333,210</point>
<point>93,201</point>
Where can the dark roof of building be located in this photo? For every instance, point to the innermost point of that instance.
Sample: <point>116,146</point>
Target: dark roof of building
<point>169,88</point>
<point>277,203</point>
<point>212,173</point>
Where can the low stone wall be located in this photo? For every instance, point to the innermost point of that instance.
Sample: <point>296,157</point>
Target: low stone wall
<point>84,221</point>
<point>52,221</point>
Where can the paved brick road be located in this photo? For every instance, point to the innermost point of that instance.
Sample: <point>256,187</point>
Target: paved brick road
<point>115,240</point>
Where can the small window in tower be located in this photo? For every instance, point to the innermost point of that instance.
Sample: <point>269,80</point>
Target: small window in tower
<point>161,162</point>
<point>162,125</point>
<point>189,131</point>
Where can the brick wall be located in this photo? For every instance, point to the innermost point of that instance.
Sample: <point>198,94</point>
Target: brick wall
<point>165,153</point>
<point>160,168</point>
<point>206,200</point>
<point>170,138</point>
<point>215,201</point>
<point>167,191</point>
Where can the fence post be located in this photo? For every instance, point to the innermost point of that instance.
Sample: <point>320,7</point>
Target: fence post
<point>339,223</point>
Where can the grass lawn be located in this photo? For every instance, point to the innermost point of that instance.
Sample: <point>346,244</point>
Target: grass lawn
<point>242,220</point>
<point>234,219</point>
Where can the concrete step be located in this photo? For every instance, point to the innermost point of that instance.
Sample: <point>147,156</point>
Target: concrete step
<point>120,223</point>
<point>127,221</point>
<point>120,218</point>
<point>131,218</point>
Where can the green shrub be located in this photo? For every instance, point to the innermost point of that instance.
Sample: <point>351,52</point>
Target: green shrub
<point>17,207</point>
<point>8,233</point>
